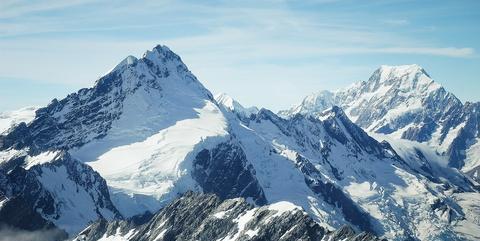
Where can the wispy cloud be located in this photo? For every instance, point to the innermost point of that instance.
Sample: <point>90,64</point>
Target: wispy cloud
<point>263,28</point>
<point>448,52</point>
<point>76,41</point>
<point>16,8</point>
<point>397,22</point>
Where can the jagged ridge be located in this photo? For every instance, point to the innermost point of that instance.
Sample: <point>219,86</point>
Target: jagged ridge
<point>206,217</point>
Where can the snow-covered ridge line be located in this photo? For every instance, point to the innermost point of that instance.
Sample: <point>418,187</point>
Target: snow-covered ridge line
<point>404,102</point>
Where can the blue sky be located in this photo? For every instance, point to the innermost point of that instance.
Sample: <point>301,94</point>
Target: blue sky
<point>264,53</point>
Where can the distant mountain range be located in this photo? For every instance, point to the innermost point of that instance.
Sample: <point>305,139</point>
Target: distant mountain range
<point>404,102</point>
<point>394,157</point>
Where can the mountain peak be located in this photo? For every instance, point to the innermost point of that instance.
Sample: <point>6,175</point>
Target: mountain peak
<point>224,99</point>
<point>232,105</point>
<point>153,85</point>
<point>404,86</point>
<point>407,78</point>
<point>400,71</point>
<point>155,64</point>
<point>159,56</point>
<point>315,102</point>
<point>406,67</point>
<point>129,60</point>
<point>161,53</point>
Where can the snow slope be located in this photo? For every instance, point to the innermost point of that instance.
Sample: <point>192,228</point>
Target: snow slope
<point>158,165</point>
<point>470,205</point>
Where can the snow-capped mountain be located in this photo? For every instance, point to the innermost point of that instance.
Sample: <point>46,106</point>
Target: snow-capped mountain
<point>405,102</point>
<point>148,131</point>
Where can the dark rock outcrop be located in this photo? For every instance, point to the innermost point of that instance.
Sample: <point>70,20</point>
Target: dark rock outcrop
<point>206,217</point>
<point>224,171</point>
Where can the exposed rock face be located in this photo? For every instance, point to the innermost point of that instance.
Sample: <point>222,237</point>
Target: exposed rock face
<point>463,152</point>
<point>224,170</point>
<point>53,194</point>
<point>206,217</point>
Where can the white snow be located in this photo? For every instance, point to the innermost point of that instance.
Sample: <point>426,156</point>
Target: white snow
<point>407,149</point>
<point>73,202</point>
<point>9,154</point>
<point>41,158</point>
<point>241,223</point>
<point>283,206</point>
<point>118,236</point>
<point>469,228</point>
<point>443,146</point>
<point>473,157</point>
<point>315,102</point>
<point>280,208</point>
<point>127,61</point>
<point>397,198</point>
<point>245,218</point>
<point>130,204</point>
<point>161,234</point>
<point>363,190</point>
<point>2,201</point>
<point>252,233</point>
<point>220,215</point>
